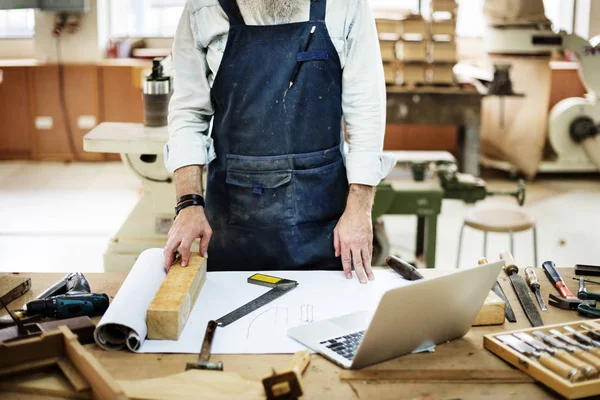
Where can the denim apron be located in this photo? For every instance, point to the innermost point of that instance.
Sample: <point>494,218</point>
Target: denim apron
<point>278,186</point>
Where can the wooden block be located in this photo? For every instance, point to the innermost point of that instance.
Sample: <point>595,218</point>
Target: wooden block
<point>388,50</point>
<point>416,26</point>
<point>443,6</point>
<point>390,70</point>
<point>172,304</point>
<point>442,51</point>
<point>412,50</point>
<point>388,26</point>
<point>441,73</point>
<point>413,73</point>
<point>443,27</point>
<point>492,311</point>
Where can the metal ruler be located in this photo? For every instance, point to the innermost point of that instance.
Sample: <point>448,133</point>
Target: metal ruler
<point>279,287</point>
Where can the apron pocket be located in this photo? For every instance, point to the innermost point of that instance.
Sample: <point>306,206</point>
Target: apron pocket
<point>320,193</point>
<point>260,198</point>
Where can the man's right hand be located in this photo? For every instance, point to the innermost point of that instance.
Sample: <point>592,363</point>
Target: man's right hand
<point>190,224</point>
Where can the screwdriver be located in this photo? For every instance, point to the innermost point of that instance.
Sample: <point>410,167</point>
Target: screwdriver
<point>534,284</point>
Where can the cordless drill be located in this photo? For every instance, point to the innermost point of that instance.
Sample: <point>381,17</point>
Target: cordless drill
<point>70,297</point>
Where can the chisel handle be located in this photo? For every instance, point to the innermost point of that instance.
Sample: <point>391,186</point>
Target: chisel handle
<point>406,270</point>
<point>299,362</point>
<point>587,357</point>
<point>589,371</point>
<point>560,368</point>
<point>557,279</point>
<point>531,278</point>
<point>482,261</point>
<point>510,266</point>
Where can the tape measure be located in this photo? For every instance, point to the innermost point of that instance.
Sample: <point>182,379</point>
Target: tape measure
<point>279,287</point>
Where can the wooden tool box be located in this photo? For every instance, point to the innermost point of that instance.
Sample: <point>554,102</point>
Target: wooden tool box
<point>537,371</point>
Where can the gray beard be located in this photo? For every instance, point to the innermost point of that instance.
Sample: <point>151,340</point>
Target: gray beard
<point>281,11</point>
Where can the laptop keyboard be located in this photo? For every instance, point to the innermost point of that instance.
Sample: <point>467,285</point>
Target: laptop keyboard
<point>346,345</point>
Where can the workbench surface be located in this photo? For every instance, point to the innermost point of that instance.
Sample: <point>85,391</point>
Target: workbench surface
<point>321,379</point>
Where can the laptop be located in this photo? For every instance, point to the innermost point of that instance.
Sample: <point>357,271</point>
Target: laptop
<point>408,319</point>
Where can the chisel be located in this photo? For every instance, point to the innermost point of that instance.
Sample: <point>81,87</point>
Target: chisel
<point>582,338</point>
<point>534,284</point>
<point>575,351</point>
<point>508,311</point>
<point>588,370</point>
<point>521,289</point>
<point>593,350</point>
<point>563,370</point>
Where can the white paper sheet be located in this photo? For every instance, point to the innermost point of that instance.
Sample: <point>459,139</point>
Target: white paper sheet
<point>319,295</point>
<point>124,323</point>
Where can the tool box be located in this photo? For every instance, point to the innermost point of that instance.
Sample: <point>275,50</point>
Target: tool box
<point>532,367</point>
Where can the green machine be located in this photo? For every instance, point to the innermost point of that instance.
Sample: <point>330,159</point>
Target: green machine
<point>423,198</point>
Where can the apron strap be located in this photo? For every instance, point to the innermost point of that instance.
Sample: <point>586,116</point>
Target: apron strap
<point>233,12</point>
<point>317,10</point>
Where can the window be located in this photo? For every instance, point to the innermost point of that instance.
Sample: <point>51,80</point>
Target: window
<point>17,23</point>
<point>144,18</point>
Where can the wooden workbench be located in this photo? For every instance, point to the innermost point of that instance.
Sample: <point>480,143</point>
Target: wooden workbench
<point>322,377</point>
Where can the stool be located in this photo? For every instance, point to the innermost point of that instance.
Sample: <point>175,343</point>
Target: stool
<point>500,220</point>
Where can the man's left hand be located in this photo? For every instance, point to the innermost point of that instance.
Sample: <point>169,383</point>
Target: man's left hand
<point>353,235</point>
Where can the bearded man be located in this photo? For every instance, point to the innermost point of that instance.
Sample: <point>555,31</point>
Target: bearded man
<point>262,91</point>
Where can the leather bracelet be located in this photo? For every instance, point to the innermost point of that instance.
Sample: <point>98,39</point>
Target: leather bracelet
<point>190,197</point>
<point>187,204</point>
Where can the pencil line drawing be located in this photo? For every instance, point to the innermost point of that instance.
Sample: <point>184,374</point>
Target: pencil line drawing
<point>276,308</point>
<point>307,313</point>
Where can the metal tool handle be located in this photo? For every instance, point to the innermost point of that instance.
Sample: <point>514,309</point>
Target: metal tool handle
<point>563,370</point>
<point>589,371</point>
<point>531,278</point>
<point>510,266</point>
<point>211,328</point>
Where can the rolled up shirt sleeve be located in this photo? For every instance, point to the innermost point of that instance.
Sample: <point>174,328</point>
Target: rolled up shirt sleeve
<point>190,108</point>
<point>364,101</point>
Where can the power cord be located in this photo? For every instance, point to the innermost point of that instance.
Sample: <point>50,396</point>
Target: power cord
<point>61,95</point>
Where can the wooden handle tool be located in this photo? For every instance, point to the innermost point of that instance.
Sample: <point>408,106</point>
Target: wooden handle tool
<point>563,370</point>
<point>406,270</point>
<point>288,383</point>
<point>588,370</point>
<point>587,357</point>
<point>510,266</point>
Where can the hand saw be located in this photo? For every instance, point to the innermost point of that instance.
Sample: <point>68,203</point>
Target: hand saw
<point>279,287</point>
<point>521,289</point>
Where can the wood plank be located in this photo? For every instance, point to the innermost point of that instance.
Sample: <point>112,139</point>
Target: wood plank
<point>29,366</point>
<point>438,375</point>
<point>492,311</point>
<point>73,376</point>
<point>47,383</point>
<point>102,383</point>
<point>172,304</point>
<point>192,383</point>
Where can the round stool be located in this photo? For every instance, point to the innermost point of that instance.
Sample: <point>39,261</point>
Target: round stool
<point>501,220</point>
